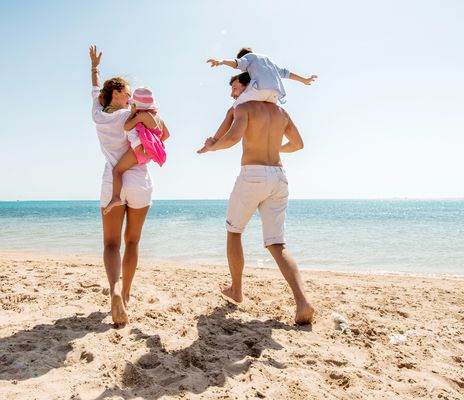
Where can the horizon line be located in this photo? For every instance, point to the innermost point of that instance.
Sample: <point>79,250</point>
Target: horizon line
<point>225,199</point>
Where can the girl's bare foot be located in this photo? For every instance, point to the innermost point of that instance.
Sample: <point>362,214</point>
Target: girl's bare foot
<point>118,312</point>
<point>111,204</point>
<point>304,314</point>
<point>228,291</point>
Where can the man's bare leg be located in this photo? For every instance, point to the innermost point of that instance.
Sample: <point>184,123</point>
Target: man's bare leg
<point>236,263</point>
<point>132,234</point>
<point>112,225</point>
<point>289,269</point>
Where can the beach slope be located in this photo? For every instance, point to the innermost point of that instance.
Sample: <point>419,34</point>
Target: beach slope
<point>405,337</point>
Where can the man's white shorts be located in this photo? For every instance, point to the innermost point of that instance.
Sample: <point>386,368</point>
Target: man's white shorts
<point>264,188</point>
<point>253,94</point>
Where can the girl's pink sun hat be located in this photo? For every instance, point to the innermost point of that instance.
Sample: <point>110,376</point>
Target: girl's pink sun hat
<point>143,99</point>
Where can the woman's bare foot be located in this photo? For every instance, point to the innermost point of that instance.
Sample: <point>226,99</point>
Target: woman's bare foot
<point>125,298</point>
<point>118,312</point>
<point>111,204</point>
<point>304,314</point>
<point>227,291</point>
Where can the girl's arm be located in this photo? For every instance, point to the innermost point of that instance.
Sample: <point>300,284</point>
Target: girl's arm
<point>95,60</point>
<point>166,133</point>
<point>134,119</point>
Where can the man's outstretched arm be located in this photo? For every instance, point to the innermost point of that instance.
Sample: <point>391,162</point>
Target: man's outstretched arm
<point>234,134</point>
<point>223,128</point>
<point>295,142</point>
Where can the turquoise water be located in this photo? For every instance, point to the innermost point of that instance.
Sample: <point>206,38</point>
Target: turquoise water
<point>412,236</point>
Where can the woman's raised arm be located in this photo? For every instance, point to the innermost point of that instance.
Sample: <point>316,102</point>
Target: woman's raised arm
<point>95,60</point>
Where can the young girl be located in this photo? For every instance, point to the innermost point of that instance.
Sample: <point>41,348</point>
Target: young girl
<point>146,140</point>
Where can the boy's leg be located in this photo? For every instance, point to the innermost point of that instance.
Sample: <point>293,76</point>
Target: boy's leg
<point>128,160</point>
<point>251,94</point>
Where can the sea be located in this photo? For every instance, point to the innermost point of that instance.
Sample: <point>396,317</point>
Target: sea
<point>424,237</point>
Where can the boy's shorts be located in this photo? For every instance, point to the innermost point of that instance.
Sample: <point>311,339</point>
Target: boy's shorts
<point>253,94</point>
<point>264,188</point>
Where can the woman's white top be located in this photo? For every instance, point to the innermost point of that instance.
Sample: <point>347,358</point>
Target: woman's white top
<point>114,143</point>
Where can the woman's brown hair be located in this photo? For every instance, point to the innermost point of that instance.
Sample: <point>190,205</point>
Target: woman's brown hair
<point>106,93</point>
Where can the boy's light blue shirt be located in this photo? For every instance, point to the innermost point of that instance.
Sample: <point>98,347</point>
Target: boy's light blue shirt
<point>263,72</point>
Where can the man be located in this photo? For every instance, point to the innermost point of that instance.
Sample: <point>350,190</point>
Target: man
<point>261,184</point>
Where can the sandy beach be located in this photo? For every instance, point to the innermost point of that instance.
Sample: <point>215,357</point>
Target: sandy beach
<point>406,338</point>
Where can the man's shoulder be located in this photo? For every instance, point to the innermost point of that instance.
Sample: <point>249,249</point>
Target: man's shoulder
<point>260,107</point>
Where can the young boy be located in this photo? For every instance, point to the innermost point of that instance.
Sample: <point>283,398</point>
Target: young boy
<point>266,76</point>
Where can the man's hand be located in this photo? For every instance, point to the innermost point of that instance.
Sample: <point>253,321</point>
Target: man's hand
<point>93,56</point>
<point>310,80</point>
<point>207,147</point>
<point>214,62</point>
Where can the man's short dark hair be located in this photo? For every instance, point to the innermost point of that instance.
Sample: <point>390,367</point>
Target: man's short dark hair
<point>243,78</point>
<point>243,51</point>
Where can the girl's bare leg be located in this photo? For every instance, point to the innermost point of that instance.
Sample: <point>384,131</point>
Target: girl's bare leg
<point>127,161</point>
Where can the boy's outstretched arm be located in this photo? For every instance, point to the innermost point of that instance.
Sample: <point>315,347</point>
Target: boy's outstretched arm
<point>306,81</point>
<point>217,63</point>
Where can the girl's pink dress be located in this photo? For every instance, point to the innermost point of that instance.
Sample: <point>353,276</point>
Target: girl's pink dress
<point>152,144</point>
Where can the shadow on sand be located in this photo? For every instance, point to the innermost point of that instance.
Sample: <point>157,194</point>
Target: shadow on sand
<point>31,353</point>
<point>225,347</point>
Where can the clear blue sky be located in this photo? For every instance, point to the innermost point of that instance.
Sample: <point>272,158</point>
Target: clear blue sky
<point>385,119</point>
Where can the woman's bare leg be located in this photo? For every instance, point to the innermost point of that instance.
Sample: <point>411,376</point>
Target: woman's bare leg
<point>128,160</point>
<point>112,227</point>
<point>132,234</point>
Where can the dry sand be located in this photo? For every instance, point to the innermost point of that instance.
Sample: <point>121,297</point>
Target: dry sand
<point>185,341</point>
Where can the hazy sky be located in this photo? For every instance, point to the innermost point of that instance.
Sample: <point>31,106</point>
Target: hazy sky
<point>385,119</point>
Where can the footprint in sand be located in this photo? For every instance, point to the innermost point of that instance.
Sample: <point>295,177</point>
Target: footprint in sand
<point>114,337</point>
<point>340,379</point>
<point>336,363</point>
<point>87,356</point>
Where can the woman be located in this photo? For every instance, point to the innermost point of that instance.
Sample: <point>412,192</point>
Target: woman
<point>110,112</point>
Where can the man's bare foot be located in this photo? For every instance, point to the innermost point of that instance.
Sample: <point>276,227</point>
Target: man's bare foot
<point>227,291</point>
<point>111,204</point>
<point>304,315</point>
<point>118,312</point>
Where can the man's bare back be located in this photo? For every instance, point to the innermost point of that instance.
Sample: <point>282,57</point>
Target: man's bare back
<point>262,138</point>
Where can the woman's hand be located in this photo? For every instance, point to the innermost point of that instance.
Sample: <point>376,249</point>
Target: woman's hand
<point>93,56</point>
